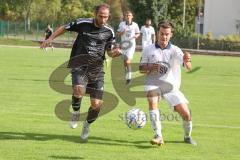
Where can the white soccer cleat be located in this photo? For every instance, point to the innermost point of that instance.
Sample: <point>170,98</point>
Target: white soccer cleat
<point>85,130</point>
<point>75,118</point>
<point>157,140</point>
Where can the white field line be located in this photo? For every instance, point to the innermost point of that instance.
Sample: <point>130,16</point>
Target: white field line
<point>165,122</point>
<point>16,46</point>
<point>206,125</point>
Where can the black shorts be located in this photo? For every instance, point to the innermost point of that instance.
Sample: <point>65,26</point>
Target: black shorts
<point>91,79</point>
<point>47,37</point>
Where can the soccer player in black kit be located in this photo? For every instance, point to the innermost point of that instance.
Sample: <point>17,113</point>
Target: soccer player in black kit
<point>48,33</point>
<point>86,61</point>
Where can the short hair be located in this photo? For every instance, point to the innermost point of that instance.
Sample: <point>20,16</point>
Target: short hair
<point>165,24</point>
<point>103,5</point>
<point>128,12</point>
<point>148,19</point>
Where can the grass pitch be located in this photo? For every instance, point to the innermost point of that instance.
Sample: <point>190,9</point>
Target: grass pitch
<point>30,128</point>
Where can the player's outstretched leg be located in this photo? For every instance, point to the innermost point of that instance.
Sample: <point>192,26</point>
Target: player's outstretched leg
<point>183,110</point>
<point>128,71</point>
<point>76,102</point>
<point>156,126</point>
<point>91,117</point>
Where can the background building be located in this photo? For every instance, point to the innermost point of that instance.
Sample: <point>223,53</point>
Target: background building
<point>221,17</point>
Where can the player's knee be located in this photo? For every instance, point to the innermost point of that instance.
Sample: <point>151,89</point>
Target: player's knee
<point>78,91</point>
<point>153,102</point>
<point>184,112</point>
<point>96,103</point>
<point>186,116</point>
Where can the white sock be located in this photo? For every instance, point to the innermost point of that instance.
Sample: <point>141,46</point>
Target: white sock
<point>155,121</point>
<point>128,73</point>
<point>187,127</point>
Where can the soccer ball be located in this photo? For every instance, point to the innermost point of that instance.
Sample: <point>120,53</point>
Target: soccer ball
<point>135,118</point>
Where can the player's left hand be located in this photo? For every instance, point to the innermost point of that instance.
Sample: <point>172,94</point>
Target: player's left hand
<point>45,44</point>
<point>116,52</point>
<point>187,60</point>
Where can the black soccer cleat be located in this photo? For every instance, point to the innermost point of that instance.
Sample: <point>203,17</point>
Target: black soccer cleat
<point>128,81</point>
<point>189,140</point>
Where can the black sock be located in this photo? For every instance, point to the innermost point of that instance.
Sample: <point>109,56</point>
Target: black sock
<point>76,103</point>
<point>92,114</point>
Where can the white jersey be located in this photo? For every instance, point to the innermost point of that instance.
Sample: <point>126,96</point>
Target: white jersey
<point>132,29</point>
<point>147,33</point>
<point>171,59</point>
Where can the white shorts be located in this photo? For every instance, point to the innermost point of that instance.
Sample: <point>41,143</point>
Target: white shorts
<point>128,53</point>
<point>173,97</point>
<point>146,43</point>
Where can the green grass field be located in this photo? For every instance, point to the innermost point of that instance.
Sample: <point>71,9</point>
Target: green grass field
<point>30,129</point>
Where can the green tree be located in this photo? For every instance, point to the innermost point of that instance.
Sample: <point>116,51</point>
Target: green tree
<point>71,9</point>
<point>116,12</point>
<point>175,13</point>
<point>47,11</point>
<point>155,9</point>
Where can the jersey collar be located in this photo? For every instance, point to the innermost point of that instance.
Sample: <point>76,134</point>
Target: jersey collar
<point>128,23</point>
<point>168,46</point>
<point>94,23</point>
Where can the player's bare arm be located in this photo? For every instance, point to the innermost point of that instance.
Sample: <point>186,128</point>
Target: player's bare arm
<point>153,38</point>
<point>119,33</point>
<point>146,68</point>
<point>114,52</point>
<point>187,60</point>
<point>57,33</point>
<point>136,35</point>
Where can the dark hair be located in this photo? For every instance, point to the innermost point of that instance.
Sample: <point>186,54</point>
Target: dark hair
<point>104,5</point>
<point>128,12</point>
<point>165,24</point>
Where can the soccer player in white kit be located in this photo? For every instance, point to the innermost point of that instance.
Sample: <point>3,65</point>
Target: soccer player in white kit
<point>148,33</point>
<point>129,31</point>
<point>161,62</point>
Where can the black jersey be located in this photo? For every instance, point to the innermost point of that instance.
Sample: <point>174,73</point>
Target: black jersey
<point>48,33</point>
<point>91,43</point>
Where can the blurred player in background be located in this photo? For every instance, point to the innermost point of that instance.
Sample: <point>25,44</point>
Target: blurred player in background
<point>161,62</point>
<point>87,60</point>
<point>147,33</point>
<point>129,31</point>
<point>48,32</point>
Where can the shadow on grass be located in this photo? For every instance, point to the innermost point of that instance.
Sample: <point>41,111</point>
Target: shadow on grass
<point>194,69</point>
<point>73,139</point>
<point>65,157</point>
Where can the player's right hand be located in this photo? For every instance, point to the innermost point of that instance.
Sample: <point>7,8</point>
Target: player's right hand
<point>154,67</point>
<point>45,44</point>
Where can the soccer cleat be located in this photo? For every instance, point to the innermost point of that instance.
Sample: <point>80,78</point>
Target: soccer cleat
<point>157,140</point>
<point>85,130</point>
<point>75,118</point>
<point>189,140</point>
<point>128,81</point>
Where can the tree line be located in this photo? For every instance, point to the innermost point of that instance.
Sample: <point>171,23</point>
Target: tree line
<point>63,11</point>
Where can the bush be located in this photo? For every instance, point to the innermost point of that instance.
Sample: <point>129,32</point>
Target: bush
<point>227,43</point>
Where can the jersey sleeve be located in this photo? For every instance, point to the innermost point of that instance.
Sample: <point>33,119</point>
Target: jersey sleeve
<point>178,54</point>
<point>137,29</point>
<point>110,42</point>
<point>153,31</point>
<point>75,25</point>
<point>120,27</point>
